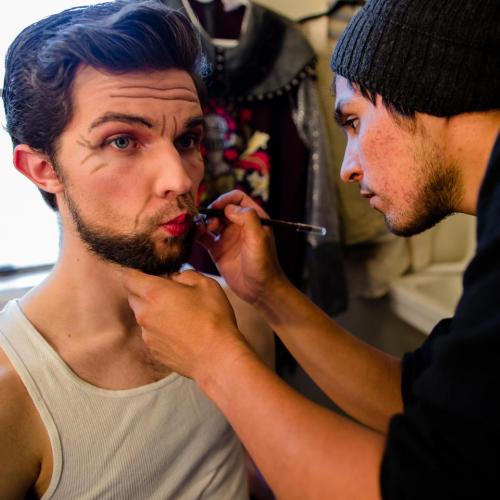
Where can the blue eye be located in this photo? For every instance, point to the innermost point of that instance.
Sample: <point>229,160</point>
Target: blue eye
<point>122,142</point>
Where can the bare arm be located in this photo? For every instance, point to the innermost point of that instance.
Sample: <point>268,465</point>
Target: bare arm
<point>362,380</point>
<point>251,324</point>
<point>20,439</point>
<point>303,450</point>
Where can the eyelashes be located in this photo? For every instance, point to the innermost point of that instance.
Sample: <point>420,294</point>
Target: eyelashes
<point>122,142</point>
<point>350,124</point>
<point>190,140</point>
<point>128,143</point>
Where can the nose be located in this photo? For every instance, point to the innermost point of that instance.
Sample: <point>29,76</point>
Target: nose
<point>351,170</point>
<point>173,173</point>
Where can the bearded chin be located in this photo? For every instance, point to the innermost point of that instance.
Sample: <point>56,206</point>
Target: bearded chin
<point>136,251</point>
<point>139,252</point>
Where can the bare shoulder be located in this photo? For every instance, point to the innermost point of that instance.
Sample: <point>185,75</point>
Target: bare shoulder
<point>251,325</point>
<point>22,437</point>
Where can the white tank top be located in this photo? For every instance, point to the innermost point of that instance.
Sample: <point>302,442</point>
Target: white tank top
<point>164,440</point>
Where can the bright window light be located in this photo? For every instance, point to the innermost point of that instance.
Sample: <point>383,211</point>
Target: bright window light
<point>28,227</point>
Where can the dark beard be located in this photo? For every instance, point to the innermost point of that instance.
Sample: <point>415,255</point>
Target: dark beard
<point>137,251</point>
<point>438,199</point>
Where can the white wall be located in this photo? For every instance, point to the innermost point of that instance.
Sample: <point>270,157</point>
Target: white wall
<point>295,9</point>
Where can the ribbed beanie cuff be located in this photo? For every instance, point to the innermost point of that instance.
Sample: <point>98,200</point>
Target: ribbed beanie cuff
<point>440,57</point>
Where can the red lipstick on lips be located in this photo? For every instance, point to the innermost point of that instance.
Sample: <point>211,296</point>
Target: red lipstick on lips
<point>178,226</point>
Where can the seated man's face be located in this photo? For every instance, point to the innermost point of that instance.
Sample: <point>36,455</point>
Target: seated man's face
<point>131,164</point>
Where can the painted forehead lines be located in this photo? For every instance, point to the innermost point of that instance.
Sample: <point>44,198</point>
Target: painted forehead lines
<point>174,94</point>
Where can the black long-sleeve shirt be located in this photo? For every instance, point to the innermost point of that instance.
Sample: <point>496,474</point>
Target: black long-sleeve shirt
<point>446,443</point>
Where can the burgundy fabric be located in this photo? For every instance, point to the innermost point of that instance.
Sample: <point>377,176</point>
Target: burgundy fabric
<point>216,21</point>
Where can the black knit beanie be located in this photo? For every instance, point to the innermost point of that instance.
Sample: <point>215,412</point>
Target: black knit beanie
<point>440,57</point>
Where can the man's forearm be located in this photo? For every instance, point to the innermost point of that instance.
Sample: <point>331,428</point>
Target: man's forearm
<point>362,380</point>
<point>303,450</point>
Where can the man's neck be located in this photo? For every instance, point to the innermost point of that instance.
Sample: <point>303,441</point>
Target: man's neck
<point>84,292</point>
<point>470,140</point>
<point>82,311</point>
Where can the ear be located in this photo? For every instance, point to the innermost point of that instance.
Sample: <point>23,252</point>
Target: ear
<point>38,168</point>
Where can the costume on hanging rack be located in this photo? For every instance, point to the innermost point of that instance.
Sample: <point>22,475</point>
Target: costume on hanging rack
<point>266,136</point>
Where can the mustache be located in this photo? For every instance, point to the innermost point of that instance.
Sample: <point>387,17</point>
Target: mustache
<point>183,202</point>
<point>188,202</point>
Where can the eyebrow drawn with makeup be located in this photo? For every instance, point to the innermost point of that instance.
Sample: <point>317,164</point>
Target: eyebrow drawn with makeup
<point>120,117</point>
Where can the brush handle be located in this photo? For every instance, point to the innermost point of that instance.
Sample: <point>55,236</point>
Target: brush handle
<point>297,226</point>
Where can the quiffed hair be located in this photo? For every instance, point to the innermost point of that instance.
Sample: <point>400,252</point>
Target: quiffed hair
<point>116,37</point>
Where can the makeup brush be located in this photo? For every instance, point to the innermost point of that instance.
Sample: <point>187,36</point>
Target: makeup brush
<point>297,226</point>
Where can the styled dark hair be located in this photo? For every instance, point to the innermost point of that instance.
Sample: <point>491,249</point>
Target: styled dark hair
<point>118,37</point>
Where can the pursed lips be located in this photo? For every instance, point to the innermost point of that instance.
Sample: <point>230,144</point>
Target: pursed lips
<point>179,225</point>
